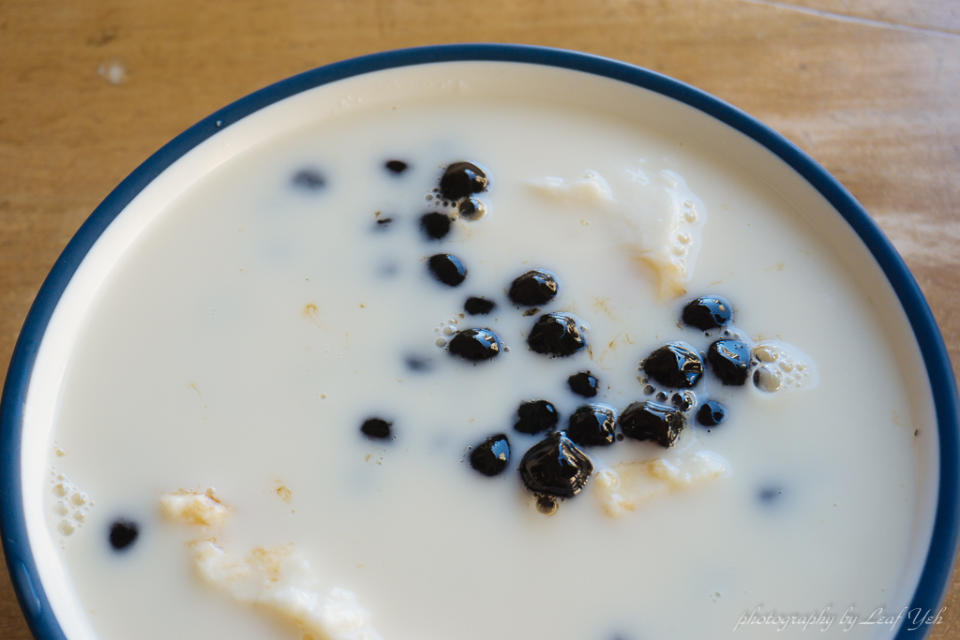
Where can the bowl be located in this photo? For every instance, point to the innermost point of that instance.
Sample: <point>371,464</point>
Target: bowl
<point>34,392</point>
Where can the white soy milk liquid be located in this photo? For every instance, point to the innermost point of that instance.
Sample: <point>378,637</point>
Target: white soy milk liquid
<point>250,330</point>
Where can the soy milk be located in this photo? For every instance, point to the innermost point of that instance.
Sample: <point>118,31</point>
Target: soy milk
<point>246,321</point>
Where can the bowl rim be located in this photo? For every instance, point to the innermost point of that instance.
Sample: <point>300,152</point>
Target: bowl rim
<point>932,585</point>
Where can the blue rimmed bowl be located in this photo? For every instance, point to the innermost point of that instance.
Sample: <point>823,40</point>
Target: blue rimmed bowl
<point>22,392</point>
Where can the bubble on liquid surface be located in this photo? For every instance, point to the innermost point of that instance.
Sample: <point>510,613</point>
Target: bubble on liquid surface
<point>70,505</point>
<point>782,367</point>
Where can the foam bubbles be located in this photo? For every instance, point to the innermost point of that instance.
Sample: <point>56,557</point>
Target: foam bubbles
<point>445,330</point>
<point>70,506</point>
<point>782,367</point>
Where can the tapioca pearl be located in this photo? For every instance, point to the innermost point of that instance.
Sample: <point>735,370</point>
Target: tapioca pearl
<point>478,306</point>
<point>584,384</point>
<point>447,268</point>
<point>730,361</point>
<point>653,421</point>
<point>396,167</point>
<point>417,364</point>
<point>309,179</point>
<point>533,288</point>
<point>769,494</point>
<point>536,416</point>
<point>707,312</point>
<point>675,364</point>
<point>491,456</point>
<point>462,179</point>
<point>555,467</point>
<point>66,528</point>
<point>377,428</point>
<point>475,345</point>
<point>593,425</point>
<point>435,225</point>
<point>123,533</point>
<point>557,334</point>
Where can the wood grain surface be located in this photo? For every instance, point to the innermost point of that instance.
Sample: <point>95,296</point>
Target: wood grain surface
<point>88,89</point>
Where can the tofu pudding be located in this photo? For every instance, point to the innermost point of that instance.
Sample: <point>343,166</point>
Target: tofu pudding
<point>477,350</point>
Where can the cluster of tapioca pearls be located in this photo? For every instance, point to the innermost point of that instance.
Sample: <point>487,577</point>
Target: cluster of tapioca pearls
<point>556,467</point>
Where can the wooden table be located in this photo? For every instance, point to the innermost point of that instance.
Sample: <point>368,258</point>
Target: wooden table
<point>870,88</point>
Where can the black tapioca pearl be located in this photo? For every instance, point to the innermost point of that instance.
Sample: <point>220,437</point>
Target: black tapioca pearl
<point>477,306</point>
<point>675,364</point>
<point>447,269</point>
<point>435,225</point>
<point>592,425</point>
<point>555,466</point>
<point>648,420</point>
<point>769,495</point>
<point>535,416</point>
<point>707,312</point>
<point>475,345</point>
<point>583,384</point>
<point>309,179</point>
<point>377,428</point>
<point>396,166</point>
<point>462,179</point>
<point>471,208</point>
<point>711,413</point>
<point>535,287</point>
<point>730,361</point>
<point>417,364</point>
<point>491,456</point>
<point>123,533</point>
<point>556,334</point>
